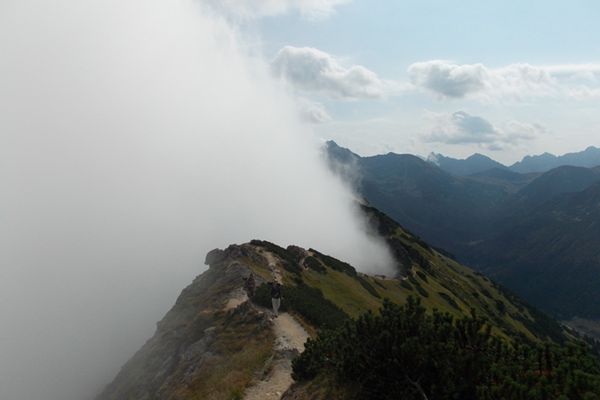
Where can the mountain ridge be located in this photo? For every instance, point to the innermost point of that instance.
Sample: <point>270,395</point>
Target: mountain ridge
<point>462,167</point>
<point>216,343</point>
<point>476,163</point>
<point>473,216</point>
<point>590,157</point>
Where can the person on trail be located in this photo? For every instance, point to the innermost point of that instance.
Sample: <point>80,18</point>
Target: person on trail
<point>250,285</point>
<point>276,297</point>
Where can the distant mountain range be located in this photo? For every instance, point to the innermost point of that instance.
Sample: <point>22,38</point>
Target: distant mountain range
<point>538,233</point>
<point>476,163</point>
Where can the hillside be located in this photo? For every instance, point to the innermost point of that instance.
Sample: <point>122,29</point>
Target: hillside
<point>444,209</point>
<point>518,228</point>
<point>551,255</point>
<point>557,181</point>
<point>216,344</point>
<point>511,181</point>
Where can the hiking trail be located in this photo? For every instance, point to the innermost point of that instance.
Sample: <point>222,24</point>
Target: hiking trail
<point>290,337</point>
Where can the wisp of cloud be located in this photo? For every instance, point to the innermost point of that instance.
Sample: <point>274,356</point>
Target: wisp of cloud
<point>136,135</point>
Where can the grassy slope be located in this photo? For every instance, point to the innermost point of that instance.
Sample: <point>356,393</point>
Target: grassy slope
<point>445,285</point>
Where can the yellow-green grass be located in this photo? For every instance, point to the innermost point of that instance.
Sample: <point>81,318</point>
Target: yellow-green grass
<point>445,275</point>
<point>242,350</point>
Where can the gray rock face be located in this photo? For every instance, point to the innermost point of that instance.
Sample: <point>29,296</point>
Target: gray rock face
<point>214,257</point>
<point>196,335</point>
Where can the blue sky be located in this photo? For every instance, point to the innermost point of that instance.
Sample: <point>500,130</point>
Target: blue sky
<point>530,69</point>
<point>388,35</point>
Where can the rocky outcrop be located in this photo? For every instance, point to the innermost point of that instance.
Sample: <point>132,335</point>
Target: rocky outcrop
<point>199,337</point>
<point>215,256</point>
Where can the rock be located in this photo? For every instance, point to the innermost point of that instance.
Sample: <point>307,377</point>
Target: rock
<point>297,252</point>
<point>215,256</point>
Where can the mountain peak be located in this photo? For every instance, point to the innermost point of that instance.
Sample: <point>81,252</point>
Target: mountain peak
<point>473,164</point>
<point>339,153</point>
<point>478,156</point>
<point>434,158</point>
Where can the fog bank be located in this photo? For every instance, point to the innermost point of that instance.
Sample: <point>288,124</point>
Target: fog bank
<point>136,135</point>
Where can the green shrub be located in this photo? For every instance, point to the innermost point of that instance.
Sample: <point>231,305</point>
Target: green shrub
<point>501,307</point>
<point>306,301</point>
<point>416,257</point>
<point>422,291</point>
<point>288,261</point>
<point>379,284</point>
<point>412,279</point>
<point>314,264</point>
<point>368,287</point>
<point>236,394</point>
<point>449,300</point>
<point>405,353</point>
<point>334,263</point>
<point>405,285</point>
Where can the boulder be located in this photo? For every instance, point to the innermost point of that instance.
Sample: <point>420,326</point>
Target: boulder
<point>215,256</point>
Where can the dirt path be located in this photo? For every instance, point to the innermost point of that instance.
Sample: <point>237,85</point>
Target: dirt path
<point>290,337</point>
<point>272,261</point>
<point>289,334</point>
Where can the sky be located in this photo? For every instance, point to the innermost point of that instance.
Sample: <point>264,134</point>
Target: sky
<point>501,78</point>
<point>136,135</point>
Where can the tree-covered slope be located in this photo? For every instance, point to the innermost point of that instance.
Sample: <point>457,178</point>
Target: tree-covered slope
<point>403,352</point>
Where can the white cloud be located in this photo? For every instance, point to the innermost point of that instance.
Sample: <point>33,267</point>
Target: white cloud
<point>312,112</point>
<point>312,70</point>
<point>514,81</point>
<point>516,131</point>
<point>133,139</point>
<point>447,79</point>
<point>463,128</point>
<point>311,9</point>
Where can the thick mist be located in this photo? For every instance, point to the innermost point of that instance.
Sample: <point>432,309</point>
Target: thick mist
<point>136,135</point>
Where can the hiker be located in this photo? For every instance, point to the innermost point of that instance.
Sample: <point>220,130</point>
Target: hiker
<point>275,297</point>
<point>250,285</point>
